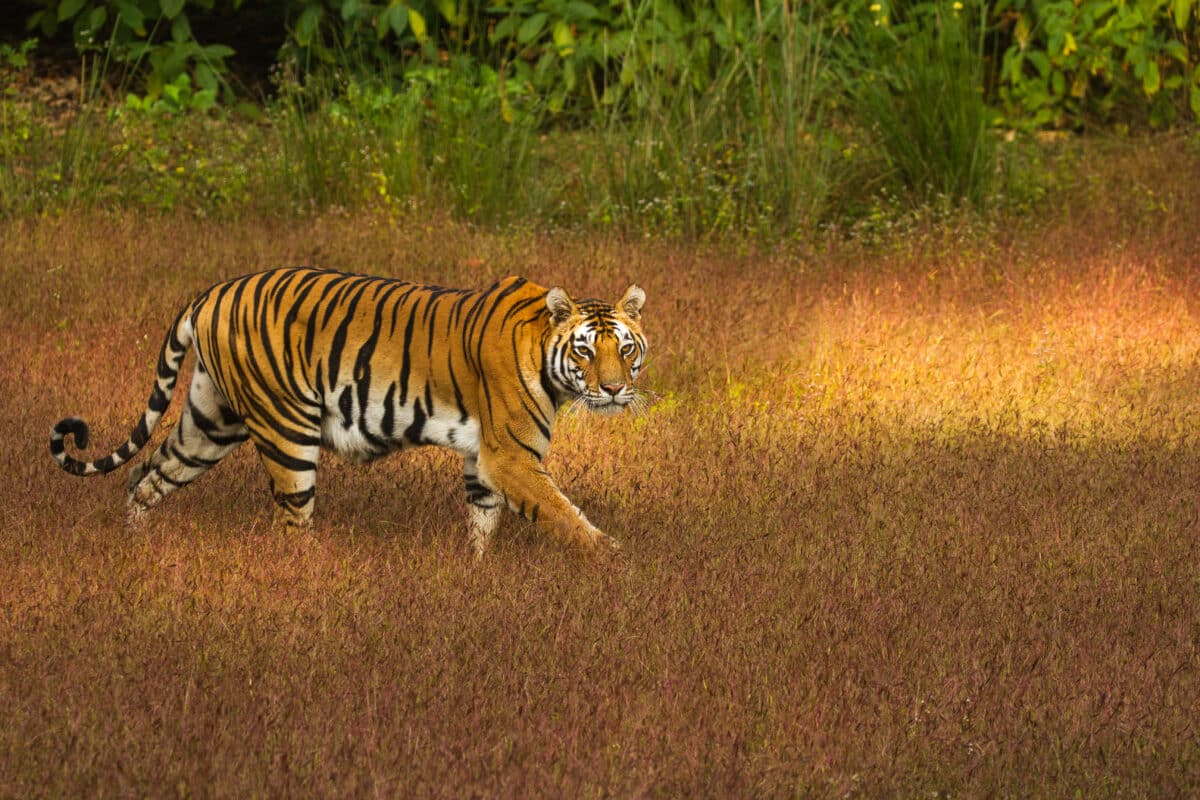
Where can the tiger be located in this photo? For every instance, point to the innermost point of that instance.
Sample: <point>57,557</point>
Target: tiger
<point>297,359</point>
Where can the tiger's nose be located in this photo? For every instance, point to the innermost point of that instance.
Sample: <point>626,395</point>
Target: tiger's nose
<point>612,388</point>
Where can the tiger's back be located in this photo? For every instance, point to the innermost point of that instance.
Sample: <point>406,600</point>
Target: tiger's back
<point>369,365</point>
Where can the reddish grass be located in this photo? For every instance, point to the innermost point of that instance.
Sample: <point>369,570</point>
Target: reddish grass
<point>915,522</point>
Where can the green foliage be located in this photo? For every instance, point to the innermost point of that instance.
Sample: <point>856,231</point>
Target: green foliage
<point>917,83</point>
<point>434,137</point>
<point>1071,60</point>
<point>177,97</point>
<point>736,141</point>
<point>1060,62</point>
<point>45,166</point>
<point>153,36</point>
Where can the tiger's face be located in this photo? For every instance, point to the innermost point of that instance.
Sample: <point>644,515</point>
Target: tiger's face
<point>596,350</point>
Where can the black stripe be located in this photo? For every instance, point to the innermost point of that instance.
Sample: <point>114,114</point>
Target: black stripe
<point>268,450</point>
<point>339,336</point>
<point>388,423</point>
<point>163,477</point>
<point>413,432</point>
<point>296,499</point>
<point>74,427</point>
<point>158,400</point>
<point>406,363</point>
<point>193,461</point>
<point>214,432</point>
<point>530,450</point>
<point>458,395</point>
<point>140,433</point>
<point>346,406</point>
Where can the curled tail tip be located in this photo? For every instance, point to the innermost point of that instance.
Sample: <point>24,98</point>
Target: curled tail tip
<point>78,430</point>
<point>72,426</point>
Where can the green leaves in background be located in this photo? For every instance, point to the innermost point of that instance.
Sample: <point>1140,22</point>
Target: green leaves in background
<point>1072,62</point>
<point>153,37</point>
<point>1054,62</point>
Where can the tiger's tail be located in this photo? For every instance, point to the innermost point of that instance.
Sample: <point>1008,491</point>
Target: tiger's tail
<point>175,346</point>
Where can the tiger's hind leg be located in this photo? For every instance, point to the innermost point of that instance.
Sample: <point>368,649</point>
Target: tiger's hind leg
<point>208,430</point>
<point>485,508</point>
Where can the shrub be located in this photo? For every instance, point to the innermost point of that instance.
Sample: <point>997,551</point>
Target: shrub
<point>1071,61</point>
<point>917,82</point>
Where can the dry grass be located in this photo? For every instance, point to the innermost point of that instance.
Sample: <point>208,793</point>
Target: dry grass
<point>904,523</point>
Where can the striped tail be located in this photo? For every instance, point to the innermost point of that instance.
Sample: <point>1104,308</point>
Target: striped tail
<point>175,345</point>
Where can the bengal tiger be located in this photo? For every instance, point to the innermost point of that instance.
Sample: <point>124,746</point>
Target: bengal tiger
<point>296,359</point>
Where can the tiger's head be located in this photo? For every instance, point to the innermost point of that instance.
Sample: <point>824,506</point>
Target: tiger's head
<point>596,350</point>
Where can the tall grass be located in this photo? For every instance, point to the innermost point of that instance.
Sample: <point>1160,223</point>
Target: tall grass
<point>919,90</point>
<point>441,136</point>
<point>59,161</point>
<point>738,145</point>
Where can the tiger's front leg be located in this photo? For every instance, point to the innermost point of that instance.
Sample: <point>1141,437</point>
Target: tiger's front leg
<point>523,484</point>
<point>292,469</point>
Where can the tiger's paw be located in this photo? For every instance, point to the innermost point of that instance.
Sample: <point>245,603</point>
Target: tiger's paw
<point>290,525</point>
<point>603,545</point>
<point>135,516</point>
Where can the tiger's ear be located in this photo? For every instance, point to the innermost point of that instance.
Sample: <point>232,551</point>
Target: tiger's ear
<point>631,302</point>
<point>560,304</point>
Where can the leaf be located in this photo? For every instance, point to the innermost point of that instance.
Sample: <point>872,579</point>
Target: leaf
<point>97,19</point>
<point>531,27</point>
<point>67,9</point>
<point>558,100</point>
<point>1151,80</point>
<point>417,23</point>
<point>218,51</point>
<point>504,28</point>
<point>1176,50</point>
<point>1039,61</point>
<point>306,24</point>
<point>450,12</point>
<point>569,79</point>
<point>1181,10</point>
<point>171,8</point>
<point>132,17</point>
<point>181,29</point>
<point>1021,32</point>
<point>1194,100</point>
<point>350,9</point>
<point>397,20</point>
<point>564,40</point>
<point>204,99</point>
<point>206,78</point>
<point>581,11</point>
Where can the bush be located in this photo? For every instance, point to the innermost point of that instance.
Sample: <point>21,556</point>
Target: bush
<point>1073,61</point>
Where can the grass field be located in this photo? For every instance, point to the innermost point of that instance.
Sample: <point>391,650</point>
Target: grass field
<point>915,520</point>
